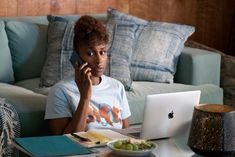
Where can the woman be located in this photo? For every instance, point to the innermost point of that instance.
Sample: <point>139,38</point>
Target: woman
<point>91,99</point>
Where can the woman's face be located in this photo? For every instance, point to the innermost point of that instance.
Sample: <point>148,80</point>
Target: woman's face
<point>96,57</point>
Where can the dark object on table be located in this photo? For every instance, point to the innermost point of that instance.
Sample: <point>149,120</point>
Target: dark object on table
<point>213,130</point>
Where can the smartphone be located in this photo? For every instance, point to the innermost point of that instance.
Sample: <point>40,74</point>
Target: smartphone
<point>75,59</point>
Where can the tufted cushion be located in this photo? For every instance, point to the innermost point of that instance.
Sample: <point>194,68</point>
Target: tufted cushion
<point>157,46</point>
<point>6,70</point>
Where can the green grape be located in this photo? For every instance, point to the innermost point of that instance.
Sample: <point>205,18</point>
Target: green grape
<point>135,147</point>
<point>141,146</point>
<point>146,145</point>
<point>129,147</point>
<point>117,144</point>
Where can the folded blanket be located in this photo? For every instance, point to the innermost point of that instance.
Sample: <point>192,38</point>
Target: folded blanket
<point>9,128</point>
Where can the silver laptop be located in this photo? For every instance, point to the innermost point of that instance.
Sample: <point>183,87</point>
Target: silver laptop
<point>169,114</point>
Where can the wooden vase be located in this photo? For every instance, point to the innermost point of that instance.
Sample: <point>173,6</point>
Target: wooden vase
<point>212,130</point>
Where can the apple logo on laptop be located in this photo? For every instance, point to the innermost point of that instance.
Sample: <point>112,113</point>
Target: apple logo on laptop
<point>171,115</point>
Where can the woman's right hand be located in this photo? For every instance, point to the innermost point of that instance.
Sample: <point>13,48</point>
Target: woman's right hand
<point>83,80</point>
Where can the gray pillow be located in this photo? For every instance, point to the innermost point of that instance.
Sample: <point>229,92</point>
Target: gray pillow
<point>6,70</point>
<point>121,39</point>
<point>156,48</point>
<point>57,65</point>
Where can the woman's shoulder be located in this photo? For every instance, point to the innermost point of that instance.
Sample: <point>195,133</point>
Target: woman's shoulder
<point>112,81</point>
<point>64,84</point>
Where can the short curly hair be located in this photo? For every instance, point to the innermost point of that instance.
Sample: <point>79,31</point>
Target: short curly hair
<point>89,31</point>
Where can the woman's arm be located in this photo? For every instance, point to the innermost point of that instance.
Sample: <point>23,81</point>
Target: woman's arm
<point>125,123</point>
<point>78,121</point>
<point>68,125</point>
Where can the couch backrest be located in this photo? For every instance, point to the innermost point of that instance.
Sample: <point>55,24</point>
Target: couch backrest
<point>24,56</point>
<point>6,71</point>
<point>27,41</point>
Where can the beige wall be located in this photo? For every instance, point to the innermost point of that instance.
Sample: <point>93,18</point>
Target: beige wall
<point>213,19</point>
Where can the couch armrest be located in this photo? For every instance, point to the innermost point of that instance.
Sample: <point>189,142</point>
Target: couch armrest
<point>196,66</point>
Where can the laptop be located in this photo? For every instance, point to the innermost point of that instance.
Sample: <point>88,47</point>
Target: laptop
<point>167,115</point>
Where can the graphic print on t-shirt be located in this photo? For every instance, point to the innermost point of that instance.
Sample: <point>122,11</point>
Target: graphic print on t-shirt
<point>103,114</point>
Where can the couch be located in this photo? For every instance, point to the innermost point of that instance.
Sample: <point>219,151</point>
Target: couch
<point>196,70</point>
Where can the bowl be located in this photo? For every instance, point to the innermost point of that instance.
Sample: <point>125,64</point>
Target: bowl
<point>131,152</point>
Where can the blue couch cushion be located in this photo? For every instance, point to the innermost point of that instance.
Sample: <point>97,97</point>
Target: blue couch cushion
<point>27,42</point>
<point>6,70</point>
<point>157,46</point>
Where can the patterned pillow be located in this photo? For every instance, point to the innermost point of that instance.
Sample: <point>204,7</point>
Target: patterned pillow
<point>121,39</point>
<point>156,48</point>
<point>57,65</point>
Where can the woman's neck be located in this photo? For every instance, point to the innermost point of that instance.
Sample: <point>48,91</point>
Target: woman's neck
<point>95,80</point>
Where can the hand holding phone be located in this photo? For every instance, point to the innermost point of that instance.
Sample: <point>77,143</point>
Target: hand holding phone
<point>82,75</point>
<point>75,59</point>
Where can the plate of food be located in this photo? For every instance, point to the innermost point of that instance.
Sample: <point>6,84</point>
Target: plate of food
<point>132,147</point>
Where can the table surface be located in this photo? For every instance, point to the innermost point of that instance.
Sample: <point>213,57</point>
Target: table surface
<point>171,147</point>
<point>174,147</point>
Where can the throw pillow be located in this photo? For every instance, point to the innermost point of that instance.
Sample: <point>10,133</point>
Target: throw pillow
<point>121,39</point>
<point>57,65</point>
<point>27,44</point>
<point>6,70</point>
<point>157,46</point>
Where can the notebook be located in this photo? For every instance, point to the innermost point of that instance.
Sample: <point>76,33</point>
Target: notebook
<point>166,115</point>
<point>48,146</point>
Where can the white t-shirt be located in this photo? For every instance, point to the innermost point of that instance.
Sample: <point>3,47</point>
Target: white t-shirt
<point>108,104</point>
